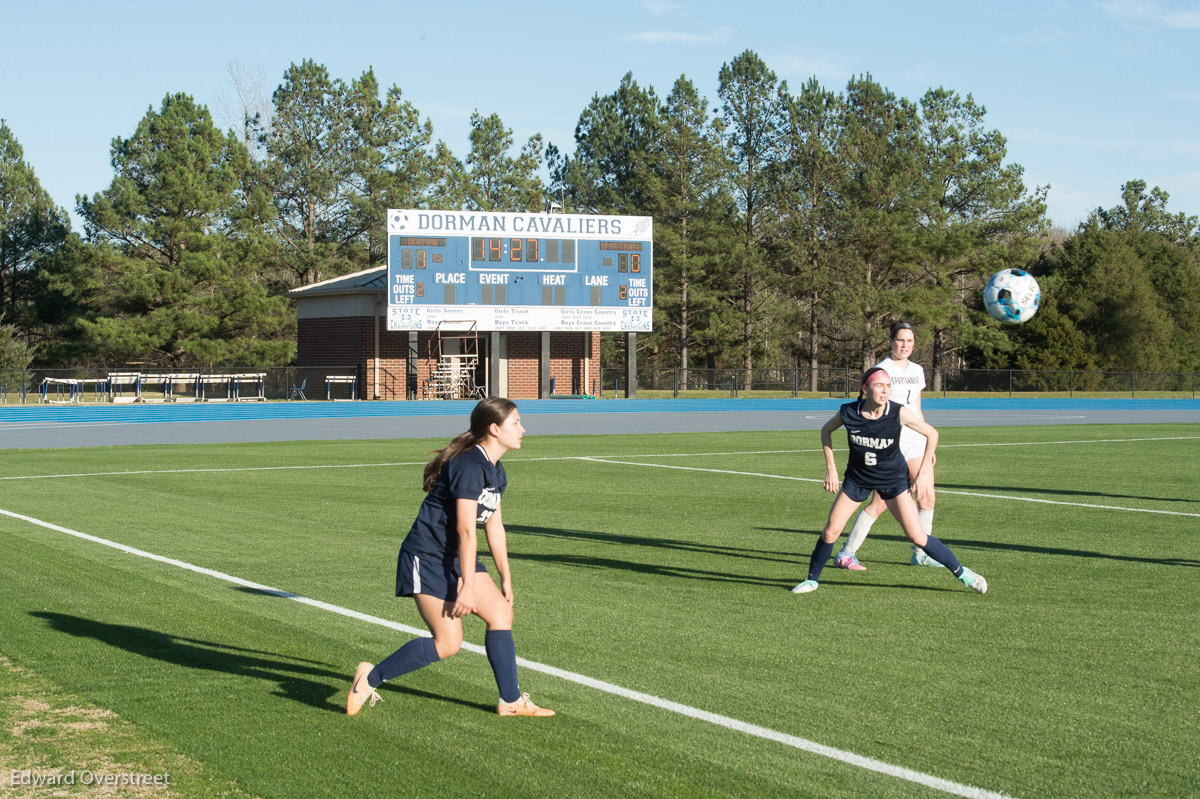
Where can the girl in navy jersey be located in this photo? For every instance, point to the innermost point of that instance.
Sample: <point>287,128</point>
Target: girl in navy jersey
<point>463,484</point>
<point>873,424</point>
<point>908,380</point>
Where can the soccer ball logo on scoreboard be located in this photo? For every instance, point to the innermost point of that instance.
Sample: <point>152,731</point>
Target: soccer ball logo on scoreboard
<point>508,271</point>
<point>1012,296</point>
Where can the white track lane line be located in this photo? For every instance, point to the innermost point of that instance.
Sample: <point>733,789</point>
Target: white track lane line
<point>212,470</point>
<point>870,764</point>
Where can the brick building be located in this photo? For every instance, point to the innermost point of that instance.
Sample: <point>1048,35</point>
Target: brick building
<point>343,321</point>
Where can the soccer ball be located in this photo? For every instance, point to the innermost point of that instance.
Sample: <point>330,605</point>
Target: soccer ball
<point>1012,296</point>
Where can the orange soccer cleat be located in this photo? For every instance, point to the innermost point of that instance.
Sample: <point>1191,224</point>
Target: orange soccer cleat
<point>360,690</point>
<point>522,707</point>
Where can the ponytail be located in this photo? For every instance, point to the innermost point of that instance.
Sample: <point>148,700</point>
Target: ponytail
<point>493,410</point>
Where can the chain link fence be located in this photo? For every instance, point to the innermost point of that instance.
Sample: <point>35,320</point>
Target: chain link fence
<point>32,386</point>
<point>843,382</point>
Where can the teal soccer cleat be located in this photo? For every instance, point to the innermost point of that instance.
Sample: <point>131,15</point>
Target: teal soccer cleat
<point>973,581</point>
<point>921,558</point>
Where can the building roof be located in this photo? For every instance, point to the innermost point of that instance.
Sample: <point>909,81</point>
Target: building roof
<point>368,281</point>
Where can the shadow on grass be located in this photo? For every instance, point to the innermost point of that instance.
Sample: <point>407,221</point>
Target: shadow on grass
<point>386,687</point>
<point>1062,492</point>
<point>798,559</point>
<point>651,568</point>
<point>656,569</point>
<point>678,544</point>
<point>289,673</point>
<point>957,544</point>
<point>952,585</point>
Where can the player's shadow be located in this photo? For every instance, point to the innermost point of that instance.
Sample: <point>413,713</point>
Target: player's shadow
<point>957,544</point>
<point>681,545</point>
<point>1062,492</point>
<point>386,687</point>
<point>651,567</point>
<point>298,679</point>
<point>951,586</point>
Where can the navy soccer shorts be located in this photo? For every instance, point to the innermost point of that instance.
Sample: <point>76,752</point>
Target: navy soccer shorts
<point>860,493</point>
<point>422,574</point>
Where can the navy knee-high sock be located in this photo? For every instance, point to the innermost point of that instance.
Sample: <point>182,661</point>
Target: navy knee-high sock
<point>942,554</point>
<point>502,654</point>
<point>416,654</point>
<point>820,556</point>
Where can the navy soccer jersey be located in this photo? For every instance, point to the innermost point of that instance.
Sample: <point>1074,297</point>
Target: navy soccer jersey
<point>875,457</point>
<point>468,476</point>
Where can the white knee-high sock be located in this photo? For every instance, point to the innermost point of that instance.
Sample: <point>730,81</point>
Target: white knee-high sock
<point>858,533</point>
<point>926,518</point>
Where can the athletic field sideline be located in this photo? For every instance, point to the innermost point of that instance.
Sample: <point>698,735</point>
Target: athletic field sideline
<point>43,426</point>
<point>652,576</point>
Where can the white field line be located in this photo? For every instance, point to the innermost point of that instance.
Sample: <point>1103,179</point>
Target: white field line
<point>940,490</point>
<point>131,472</point>
<point>870,764</point>
<point>600,458</point>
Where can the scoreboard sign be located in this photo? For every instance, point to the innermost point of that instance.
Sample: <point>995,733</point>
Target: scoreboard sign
<point>506,271</point>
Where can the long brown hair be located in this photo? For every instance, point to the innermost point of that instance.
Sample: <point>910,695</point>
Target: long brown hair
<point>490,411</point>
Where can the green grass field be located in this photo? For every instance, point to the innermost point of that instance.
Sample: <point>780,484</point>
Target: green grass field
<point>1077,675</point>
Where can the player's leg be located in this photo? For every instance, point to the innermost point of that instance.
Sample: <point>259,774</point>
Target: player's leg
<point>839,514</point>
<point>904,508</point>
<point>433,585</point>
<point>496,612</point>
<point>913,447</point>
<point>420,652</point>
<point>846,559</point>
<point>415,654</point>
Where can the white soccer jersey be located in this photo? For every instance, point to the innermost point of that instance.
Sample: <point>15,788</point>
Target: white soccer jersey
<point>907,384</point>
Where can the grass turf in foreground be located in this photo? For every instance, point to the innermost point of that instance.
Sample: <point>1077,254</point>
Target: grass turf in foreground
<point>55,744</point>
<point>665,581</point>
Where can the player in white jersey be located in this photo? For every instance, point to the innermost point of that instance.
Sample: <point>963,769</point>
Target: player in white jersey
<point>908,380</point>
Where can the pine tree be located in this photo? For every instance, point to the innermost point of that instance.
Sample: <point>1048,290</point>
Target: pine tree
<point>806,192</point>
<point>308,174</point>
<point>681,176</point>
<point>167,274</point>
<point>31,228</point>
<point>975,218</point>
<point>390,165</point>
<point>750,112</point>
<point>614,134</point>
<point>496,181</point>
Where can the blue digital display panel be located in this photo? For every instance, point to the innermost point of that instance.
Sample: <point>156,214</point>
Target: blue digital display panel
<point>505,271</point>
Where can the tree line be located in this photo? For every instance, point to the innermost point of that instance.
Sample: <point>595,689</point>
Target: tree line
<point>792,227</point>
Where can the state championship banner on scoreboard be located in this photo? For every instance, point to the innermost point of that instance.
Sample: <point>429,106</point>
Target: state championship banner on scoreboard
<point>506,271</point>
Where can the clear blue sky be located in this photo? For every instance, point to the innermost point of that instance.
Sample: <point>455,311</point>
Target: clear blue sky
<point>1089,94</point>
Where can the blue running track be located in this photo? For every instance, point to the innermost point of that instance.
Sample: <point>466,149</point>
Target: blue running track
<point>230,412</point>
<point>50,426</point>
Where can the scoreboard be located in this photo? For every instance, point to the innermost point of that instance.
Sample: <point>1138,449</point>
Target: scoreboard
<point>512,271</point>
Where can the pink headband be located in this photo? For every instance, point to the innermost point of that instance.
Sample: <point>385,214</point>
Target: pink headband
<point>875,376</point>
